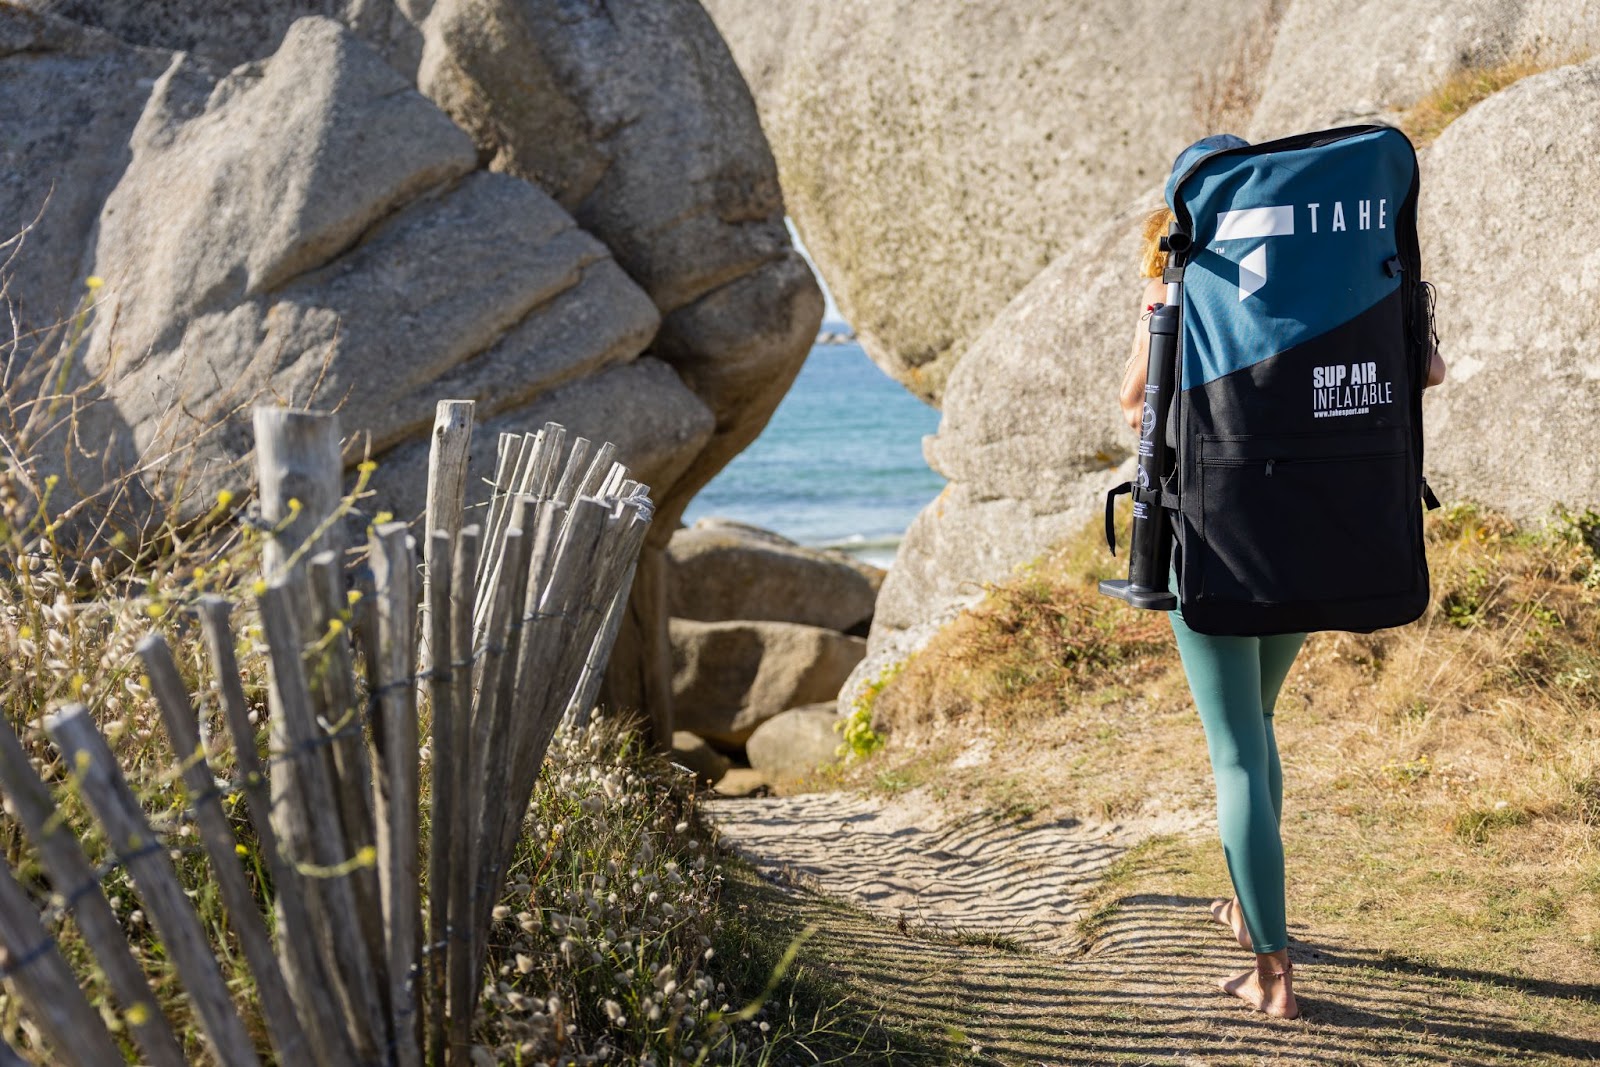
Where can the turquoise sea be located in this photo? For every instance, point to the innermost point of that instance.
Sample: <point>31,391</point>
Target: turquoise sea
<point>840,464</point>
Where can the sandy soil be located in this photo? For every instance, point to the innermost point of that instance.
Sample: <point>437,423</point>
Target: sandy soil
<point>966,924</point>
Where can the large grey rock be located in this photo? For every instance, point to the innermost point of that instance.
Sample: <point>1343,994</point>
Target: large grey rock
<point>796,742</point>
<point>729,677</point>
<point>233,188</point>
<point>633,116</point>
<point>1030,439</point>
<point>1337,60</point>
<point>723,571</point>
<point>937,154</point>
<point>1508,223</point>
<point>311,229</point>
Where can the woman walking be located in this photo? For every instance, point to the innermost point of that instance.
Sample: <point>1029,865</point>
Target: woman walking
<point>1235,683</point>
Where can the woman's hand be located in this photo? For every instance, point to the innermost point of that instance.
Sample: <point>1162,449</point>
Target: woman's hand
<point>1436,370</point>
<point>1133,375</point>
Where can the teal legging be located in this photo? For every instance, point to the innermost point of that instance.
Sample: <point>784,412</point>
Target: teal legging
<point>1235,682</point>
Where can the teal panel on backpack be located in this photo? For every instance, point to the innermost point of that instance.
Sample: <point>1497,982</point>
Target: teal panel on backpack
<point>1287,244</point>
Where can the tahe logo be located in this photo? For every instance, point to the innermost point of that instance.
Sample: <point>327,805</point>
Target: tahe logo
<point>1257,223</point>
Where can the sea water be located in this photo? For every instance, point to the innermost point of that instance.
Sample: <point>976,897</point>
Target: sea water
<point>840,464</point>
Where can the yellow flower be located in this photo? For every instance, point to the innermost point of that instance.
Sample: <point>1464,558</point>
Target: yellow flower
<point>156,610</point>
<point>224,498</point>
<point>94,281</point>
<point>367,466</point>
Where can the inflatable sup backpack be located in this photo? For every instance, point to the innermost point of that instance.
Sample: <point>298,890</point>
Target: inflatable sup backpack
<point>1292,485</point>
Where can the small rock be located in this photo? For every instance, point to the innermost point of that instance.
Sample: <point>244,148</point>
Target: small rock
<point>729,677</point>
<point>724,570</point>
<point>743,782</point>
<point>795,743</point>
<point>691,751</point>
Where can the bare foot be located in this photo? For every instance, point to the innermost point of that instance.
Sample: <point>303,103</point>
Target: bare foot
<point>1266,987</point>
<point>1229,914</point>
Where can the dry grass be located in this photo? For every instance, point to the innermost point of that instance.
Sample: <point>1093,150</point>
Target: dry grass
<point>1428,117</point>
<point>1442,780</point>
<point>1032,645</point>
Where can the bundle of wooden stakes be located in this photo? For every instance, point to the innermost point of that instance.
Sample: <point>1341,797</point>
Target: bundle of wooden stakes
<point>503,634</point>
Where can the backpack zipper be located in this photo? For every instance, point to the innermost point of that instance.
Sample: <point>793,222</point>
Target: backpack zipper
<point>1269,464</point>
<point>1293,142</point>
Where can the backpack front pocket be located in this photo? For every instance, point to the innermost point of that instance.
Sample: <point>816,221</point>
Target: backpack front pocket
<point>1298,518</point>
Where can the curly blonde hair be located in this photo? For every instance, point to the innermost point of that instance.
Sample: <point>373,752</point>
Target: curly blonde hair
<point>1153,261</point>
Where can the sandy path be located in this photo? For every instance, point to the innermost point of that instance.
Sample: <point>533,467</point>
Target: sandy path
<point>1140,993</point>
<point>908,858</point>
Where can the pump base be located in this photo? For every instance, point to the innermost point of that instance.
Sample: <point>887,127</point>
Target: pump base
<point>1138,596</point>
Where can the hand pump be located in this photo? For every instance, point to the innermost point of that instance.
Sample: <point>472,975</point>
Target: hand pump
<point>1151,555</point>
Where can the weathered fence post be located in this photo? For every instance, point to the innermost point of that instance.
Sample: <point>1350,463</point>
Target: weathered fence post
<point>447,486</point>
<point>395,596</point>
<point>33,963</point>
<point>459,924</point>
<point>99,779</point>
<point>352,771</point>
<point>310,827</point>
<point>297,938</point>
<point>298,474</point>
<point>172,697</point>
<point>69,869</point>
<point>441,791</point>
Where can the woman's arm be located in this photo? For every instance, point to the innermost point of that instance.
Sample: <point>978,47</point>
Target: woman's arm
<point>1132,392</point>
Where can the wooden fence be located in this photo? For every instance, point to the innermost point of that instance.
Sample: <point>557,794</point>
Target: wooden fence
<point>376,952</point>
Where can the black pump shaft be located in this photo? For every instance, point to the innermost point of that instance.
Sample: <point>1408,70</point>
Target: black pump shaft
<point>1150,557</point>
